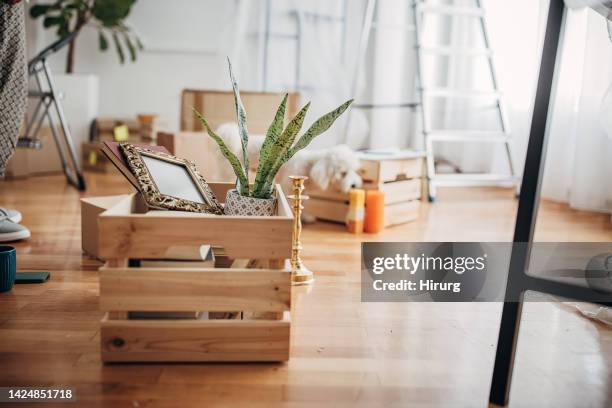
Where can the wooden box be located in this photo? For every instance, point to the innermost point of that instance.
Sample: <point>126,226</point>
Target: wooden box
<point>399,179</point>
<point>260,290</point>
<point>93,159</point>
<point>35,162</point>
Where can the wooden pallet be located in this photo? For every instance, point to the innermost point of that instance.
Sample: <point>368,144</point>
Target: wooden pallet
<point>263,295</point>
<point>399,179</point>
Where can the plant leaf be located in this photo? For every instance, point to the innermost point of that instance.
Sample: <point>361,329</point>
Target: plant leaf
<point>119,47</point>
<point>54,20</point>
<point>102,41</point>
<point>274,131</point>
<point>318,127</point>
<point>280,148</point>
<point>241,118</point>
<point>228,154</point>
<point>38,10</point>
<point>130,46</point>
<point>110,13</point>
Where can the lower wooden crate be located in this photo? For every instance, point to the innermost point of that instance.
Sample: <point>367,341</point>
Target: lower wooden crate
<point>402,202</point>
<point>195,340</point>
<point>329,210</point>
<point>152,312</point>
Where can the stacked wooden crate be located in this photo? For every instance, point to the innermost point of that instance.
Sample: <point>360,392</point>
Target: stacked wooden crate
<point>103,129</point>
<point>256,295</point>
<point>399,178</point>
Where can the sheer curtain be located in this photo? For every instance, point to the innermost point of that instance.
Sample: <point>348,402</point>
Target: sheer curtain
<point>515,33</point>
<point>319,64</point>
<point>578,168</point>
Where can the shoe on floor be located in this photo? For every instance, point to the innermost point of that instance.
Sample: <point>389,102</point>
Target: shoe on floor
<point>11,231</point>
<point>12,215</point>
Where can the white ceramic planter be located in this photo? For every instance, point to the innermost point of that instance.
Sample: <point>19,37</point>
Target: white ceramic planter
<point>235,204</point>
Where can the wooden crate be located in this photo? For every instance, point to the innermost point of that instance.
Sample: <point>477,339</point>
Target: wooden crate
<point>127,232</point>
<point>399,179</point>
<point>93,159</point>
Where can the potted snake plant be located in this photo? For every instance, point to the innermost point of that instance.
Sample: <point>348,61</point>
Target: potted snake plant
<point>279,146</point>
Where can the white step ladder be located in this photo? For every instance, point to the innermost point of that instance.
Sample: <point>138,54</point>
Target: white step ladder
<point>424,94</point>
<point>421,9</point>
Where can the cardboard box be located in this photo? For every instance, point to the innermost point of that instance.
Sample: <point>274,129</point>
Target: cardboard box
<point>200,149</point>
<point>91,207</point>
<point>31,162</point>
<point>218,108</point>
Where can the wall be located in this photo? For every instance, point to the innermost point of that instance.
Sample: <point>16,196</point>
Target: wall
<point>154,82</point>
<point>187,45</point>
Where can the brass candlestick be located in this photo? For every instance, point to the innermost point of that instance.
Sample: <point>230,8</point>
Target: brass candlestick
<point>300,274</point>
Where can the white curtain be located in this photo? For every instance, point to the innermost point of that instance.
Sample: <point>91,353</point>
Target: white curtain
<point>319,64</point>
<point>578,168</point>
<point>515,34</point>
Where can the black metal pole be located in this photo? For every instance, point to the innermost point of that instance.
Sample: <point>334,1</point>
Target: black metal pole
<point>527,210</point>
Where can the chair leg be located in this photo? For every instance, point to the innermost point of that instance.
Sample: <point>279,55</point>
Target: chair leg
<point>504,356</point>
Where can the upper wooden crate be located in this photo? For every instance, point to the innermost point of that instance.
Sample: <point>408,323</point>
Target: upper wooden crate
<point>218,108</point>
<point>128,231</point>
<point>384,171</point>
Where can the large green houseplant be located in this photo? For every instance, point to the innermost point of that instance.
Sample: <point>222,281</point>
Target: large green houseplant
<point>278,147</point>
<point>106,16</point>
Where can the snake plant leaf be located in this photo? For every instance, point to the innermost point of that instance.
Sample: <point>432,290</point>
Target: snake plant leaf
<point>241,118</point>
<point>243,184</point>
<point>280,149</point>
<point>266,161</point>
<point>317,128</point>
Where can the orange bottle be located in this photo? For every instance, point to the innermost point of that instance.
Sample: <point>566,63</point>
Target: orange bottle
<point>374,211</point>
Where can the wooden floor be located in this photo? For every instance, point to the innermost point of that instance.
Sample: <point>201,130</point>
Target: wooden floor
<point>344,352</point>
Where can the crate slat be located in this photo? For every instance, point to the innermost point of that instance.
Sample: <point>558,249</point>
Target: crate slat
<point>395,192</point>
<point>400,213</point>
<point>186,289</point>
<point>193,341</point>
<point>336,211</point>
<point>381,171</point>
<point>399,191</point>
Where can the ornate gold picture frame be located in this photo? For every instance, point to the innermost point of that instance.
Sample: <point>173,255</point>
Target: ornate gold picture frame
<point>169,182</point>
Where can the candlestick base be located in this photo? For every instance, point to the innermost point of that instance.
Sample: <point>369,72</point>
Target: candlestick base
<point>302,276</point>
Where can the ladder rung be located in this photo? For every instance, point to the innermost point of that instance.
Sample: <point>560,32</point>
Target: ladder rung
<point>445,50</point>
<point>29,143</point>
<point>469,136</point>
<point>450,10</point>
<point>280,36</point>
<point>472,179</point>
<point>398,105</point>
<point>323,17</point>
<point>385,26</point>
<point>460,93</point>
